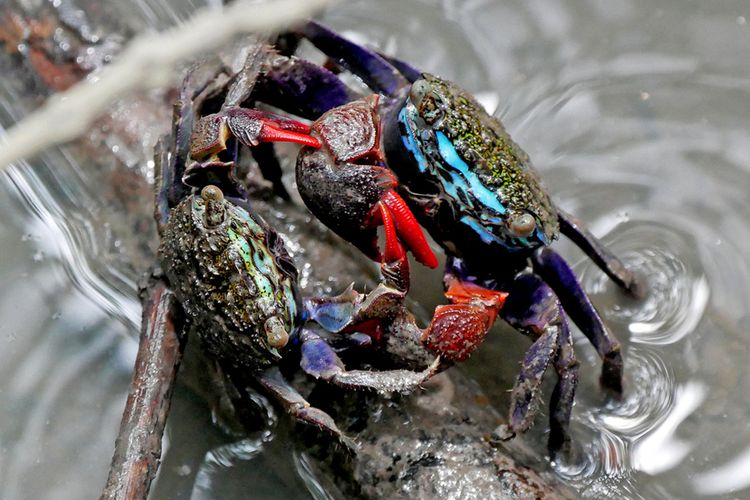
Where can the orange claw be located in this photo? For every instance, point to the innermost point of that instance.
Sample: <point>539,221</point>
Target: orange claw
<point>408,229</point>
<point>457,329</point>
<point>464,292</point>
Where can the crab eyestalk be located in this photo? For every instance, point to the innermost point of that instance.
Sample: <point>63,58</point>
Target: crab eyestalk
<point>214,200</point>
<point>276,334</point>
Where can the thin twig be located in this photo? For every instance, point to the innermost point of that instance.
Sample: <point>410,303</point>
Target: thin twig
<point>148,62</point>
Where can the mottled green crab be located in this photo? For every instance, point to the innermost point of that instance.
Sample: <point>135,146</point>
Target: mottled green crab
<point>237,285</point>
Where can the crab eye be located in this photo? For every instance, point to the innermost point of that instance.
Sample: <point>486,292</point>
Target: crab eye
<point>212,193</point>
<point>522,225</point>
<point>419,90</point>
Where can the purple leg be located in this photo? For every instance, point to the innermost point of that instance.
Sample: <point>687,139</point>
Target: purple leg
<point>534,309</point>
<point>320,361</point>
<point>172,156</point>
<point>561,402</point>
<point>301,88</point>
<point>558,274</point>
<point>407,70</point>
<point>525,394</point>
<point>602,257</point>
<point>376,71</point>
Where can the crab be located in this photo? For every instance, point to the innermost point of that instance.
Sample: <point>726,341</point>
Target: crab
<point>226,278</point>
<point>421,152</point>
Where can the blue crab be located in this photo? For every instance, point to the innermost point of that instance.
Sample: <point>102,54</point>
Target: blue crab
<point>421,151</point>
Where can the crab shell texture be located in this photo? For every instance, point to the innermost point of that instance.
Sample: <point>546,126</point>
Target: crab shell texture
<point>234,278</point>
<point>483,186</point>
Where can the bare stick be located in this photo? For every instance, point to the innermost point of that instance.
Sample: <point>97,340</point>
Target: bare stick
<point>138,447</point>
<point>149,61</point>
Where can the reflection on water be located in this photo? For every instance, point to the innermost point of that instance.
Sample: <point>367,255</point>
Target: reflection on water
<point>660,450</point>
<point>223,457</point>
<point>636,114</point>
<point>726,477</point>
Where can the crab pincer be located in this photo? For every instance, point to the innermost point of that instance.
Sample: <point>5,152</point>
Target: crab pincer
<point>347,185</point>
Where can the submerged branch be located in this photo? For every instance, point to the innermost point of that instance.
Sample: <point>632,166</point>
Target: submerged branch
<point>138,448</point>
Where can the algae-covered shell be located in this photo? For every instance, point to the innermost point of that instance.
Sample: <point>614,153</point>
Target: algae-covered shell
<point>483,187</point>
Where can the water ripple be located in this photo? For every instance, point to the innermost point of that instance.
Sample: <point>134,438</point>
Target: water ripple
<point>668,262</point>
<point>649,397</point>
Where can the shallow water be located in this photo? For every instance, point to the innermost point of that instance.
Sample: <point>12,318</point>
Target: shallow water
<point>636,114</point>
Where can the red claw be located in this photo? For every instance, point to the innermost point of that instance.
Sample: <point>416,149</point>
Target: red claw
<point>394,251</point>
<point>464,292</point>
<point>408,229</point>
<point>251,126</point>
<point>272,133</point>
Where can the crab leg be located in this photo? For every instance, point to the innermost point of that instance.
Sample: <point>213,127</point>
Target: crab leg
<point>320,361</point>
<point>292,401</point>
<point>607,262</point>
<point>172,154</point>
<point>377,72</point>
<point>138,447</point>
<point>302,88</point>
<point>533,309</point>
<point>558,274</point>
<point>407,70</point>
<point>561,402</point>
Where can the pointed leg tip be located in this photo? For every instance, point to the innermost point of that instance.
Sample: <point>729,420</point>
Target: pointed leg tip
<point>613,390</point>
<point>611,378</point>
<point>636,286</point>
<point>560,448</point>
<point>349,445</point>
<point>501,433</point>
